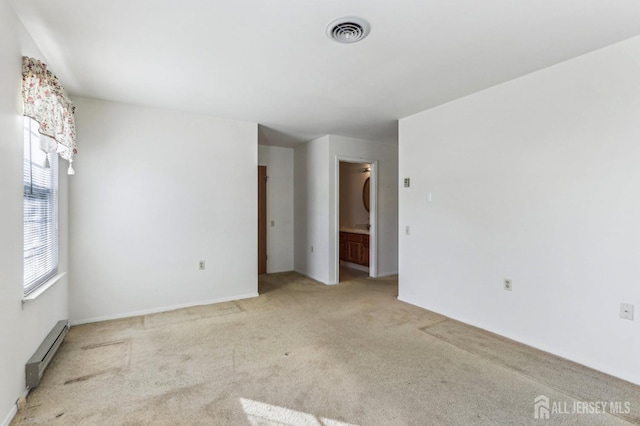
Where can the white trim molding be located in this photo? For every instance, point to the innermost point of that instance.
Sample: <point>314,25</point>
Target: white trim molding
<point>12,413</point>
<point>44,287</point>
<point>162,309</point>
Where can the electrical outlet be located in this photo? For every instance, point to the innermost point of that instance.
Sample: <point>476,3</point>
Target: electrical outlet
<point>311,249</point>
<point>273,223</point>
<point>508,285</point>
<point>201,265</point>
<point>407,230</point>
<point>626,311</point>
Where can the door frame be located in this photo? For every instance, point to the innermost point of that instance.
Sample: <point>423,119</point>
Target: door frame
<point>373,215</point>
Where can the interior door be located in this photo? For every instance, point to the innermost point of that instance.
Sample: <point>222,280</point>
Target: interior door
<point>262,219</point>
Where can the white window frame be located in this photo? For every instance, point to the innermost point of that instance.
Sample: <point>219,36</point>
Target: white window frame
<point>40,220</point>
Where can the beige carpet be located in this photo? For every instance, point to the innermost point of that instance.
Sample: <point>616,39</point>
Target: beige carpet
<point>307,354</point>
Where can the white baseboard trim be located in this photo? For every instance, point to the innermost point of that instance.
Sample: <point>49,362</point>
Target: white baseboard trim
<point>312,277</point>
<point>14,410</point>
<point>162,309</point>
<point>386,274</point>
<point>10,416</point>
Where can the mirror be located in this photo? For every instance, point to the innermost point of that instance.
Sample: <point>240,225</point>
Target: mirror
<point>366,193</point>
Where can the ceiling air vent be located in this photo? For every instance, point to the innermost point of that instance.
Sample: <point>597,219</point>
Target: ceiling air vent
<point>348,30</point>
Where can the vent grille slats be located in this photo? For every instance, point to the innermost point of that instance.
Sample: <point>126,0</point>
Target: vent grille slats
<point>348,30</point>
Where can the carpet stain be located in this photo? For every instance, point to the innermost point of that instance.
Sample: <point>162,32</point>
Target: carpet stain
<point>99,359</point>
<point>102,345</point>
<point>91,376</point>
<point>194,313</point>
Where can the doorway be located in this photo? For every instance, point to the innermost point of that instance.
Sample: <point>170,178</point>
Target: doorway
<point>356,219</point>
<point>262,220</point>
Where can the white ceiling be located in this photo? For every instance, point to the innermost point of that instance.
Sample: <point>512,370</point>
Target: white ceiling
<point>270,62</point>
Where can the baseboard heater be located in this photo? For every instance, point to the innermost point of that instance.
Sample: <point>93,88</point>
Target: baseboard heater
<point>42,357</point>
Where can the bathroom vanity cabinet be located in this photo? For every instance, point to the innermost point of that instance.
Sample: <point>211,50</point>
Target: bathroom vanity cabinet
<point>354,247</point>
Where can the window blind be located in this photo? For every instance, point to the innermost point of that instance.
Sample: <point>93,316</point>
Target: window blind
<point>40,182</point>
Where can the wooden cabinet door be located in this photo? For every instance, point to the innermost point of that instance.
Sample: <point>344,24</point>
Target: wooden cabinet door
<point>354,249</point>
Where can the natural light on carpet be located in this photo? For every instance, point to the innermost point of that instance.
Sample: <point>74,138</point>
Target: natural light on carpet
<point>262,414</point>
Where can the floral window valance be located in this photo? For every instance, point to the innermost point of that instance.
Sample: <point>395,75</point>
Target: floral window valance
<point>44,101</point>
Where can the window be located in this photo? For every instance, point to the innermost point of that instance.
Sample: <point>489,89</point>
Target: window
<point>40,178</point>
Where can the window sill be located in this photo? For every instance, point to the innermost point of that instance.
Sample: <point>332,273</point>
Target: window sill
<point>44,287</point>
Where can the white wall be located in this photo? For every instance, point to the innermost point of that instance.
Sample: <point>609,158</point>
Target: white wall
<point>24,326</point>
<point>311,209</point>
<point>156,191</point>
<point>352,211</point>
<point>535,180</point>
<point>316,218</point>
<point>279,162</point>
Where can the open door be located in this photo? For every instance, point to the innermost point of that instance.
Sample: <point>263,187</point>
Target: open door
<point>262,219</point>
